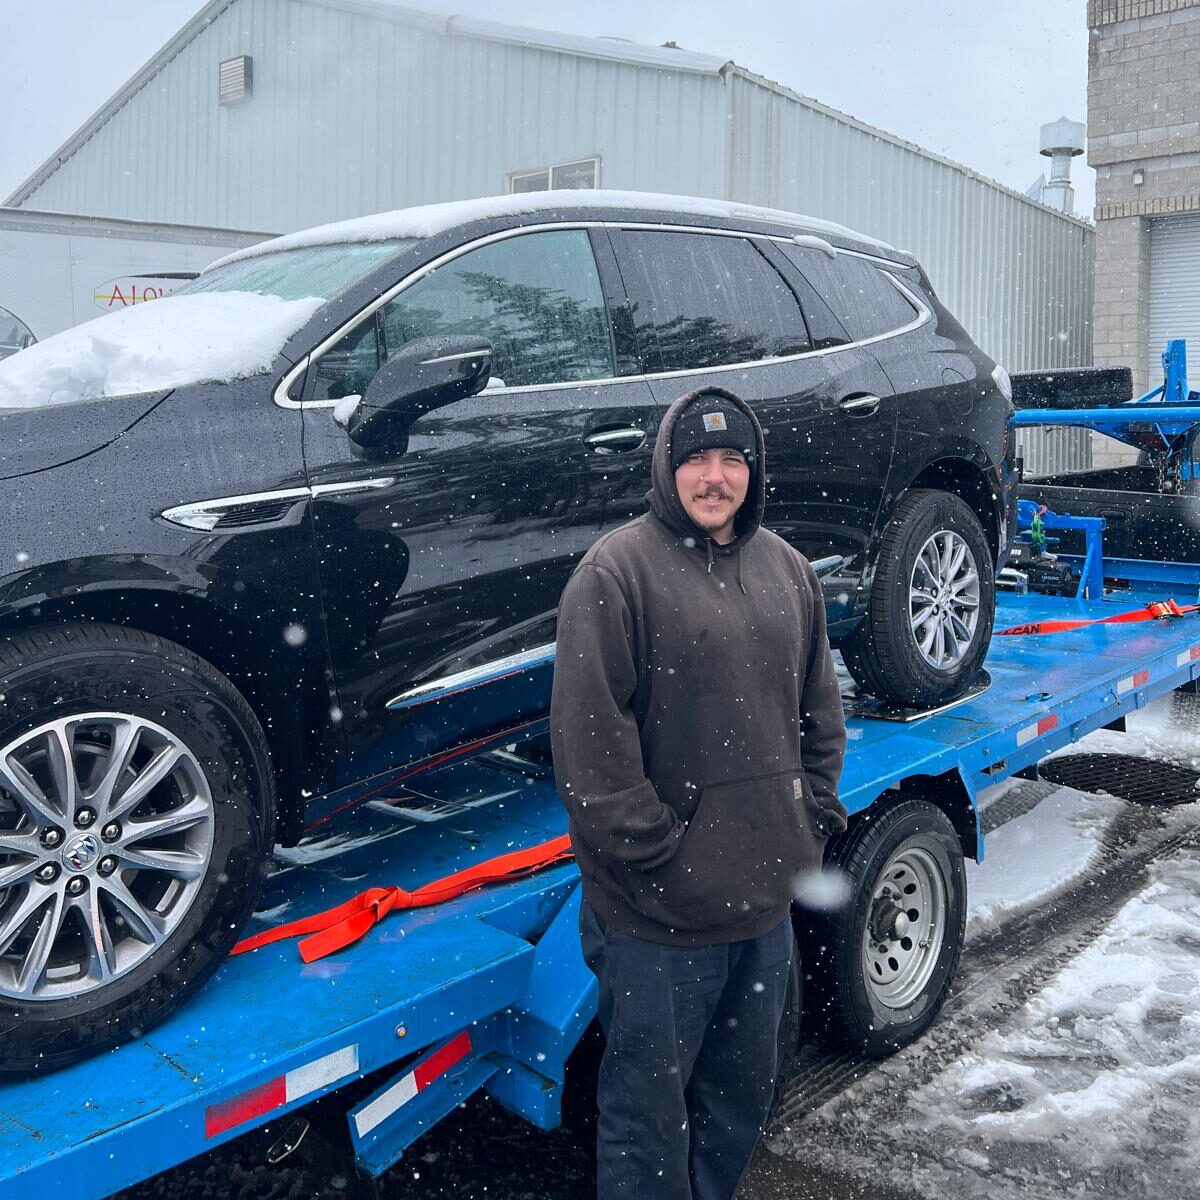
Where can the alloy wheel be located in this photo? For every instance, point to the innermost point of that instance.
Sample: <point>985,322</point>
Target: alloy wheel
<point>106,834</point>
<point>943,599</point>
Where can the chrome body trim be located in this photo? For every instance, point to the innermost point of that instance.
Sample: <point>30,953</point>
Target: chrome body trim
<point>473,677</point>
<point>205,514</point>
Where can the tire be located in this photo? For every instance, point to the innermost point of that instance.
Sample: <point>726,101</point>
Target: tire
<point>136,819</point>
<point>872,1000</point>
<point>889,654</point>
<point>1072,387</point>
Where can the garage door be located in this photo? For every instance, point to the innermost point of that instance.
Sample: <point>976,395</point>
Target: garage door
<point>1174,289</point>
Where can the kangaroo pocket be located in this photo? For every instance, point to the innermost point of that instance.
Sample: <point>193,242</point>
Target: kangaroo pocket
<point>739,857</point>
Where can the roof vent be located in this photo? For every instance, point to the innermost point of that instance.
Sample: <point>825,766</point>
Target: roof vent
<point>235,81</point>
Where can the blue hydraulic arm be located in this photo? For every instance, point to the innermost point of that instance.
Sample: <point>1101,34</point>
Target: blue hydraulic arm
<point>1170,409</point>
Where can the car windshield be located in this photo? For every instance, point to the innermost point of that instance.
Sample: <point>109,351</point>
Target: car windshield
<point>323,271</point>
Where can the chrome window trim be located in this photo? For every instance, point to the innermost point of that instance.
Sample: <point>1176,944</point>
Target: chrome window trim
<point>203,515</point>
<point>283,400</point>
<point>462,681</point>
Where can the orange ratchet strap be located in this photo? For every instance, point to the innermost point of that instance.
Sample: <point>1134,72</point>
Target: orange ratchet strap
<point>1158,610</point>
<point>338,927</point>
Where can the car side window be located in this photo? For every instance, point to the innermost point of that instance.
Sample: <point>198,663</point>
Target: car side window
<point>536,298</point>
<point>704,300</point>
<point>861,295</point>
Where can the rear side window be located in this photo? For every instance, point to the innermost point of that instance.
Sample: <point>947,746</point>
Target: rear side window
<point>861,295</point>
<point>702,300</point>
<point>536,298</point>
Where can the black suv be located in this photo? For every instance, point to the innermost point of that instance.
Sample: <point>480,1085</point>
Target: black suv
<point>300,530</point>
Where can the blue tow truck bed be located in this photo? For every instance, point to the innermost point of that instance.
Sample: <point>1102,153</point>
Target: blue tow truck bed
<point>489,990</point>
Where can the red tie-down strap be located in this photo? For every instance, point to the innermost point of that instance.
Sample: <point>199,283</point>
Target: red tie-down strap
<point>338,927</point>
<point>1156,611</point>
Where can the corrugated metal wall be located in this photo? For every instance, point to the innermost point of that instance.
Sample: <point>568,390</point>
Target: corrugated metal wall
<point>1017,275</point>
<point>355,112</point>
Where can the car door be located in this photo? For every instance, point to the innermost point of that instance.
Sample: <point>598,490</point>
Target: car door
<point>451,555</point>
<point>711,308</point>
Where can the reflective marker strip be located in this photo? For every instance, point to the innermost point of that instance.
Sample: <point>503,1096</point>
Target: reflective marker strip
<point>286,1089</point>
<point>1026,735</point>
<point>1189,655</point>
<point>1139,679</point>
<point>403,1090</point>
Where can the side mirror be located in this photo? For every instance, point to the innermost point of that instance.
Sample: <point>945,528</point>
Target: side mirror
<point>424,374</point>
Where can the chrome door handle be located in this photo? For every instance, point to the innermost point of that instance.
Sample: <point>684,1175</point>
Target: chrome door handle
<point>860,406</point>
<point>614,441</point>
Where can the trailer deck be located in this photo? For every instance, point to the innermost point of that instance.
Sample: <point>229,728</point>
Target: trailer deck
<point>489,990</point>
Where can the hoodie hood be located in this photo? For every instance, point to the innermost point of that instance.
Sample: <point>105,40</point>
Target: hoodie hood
<point>663,497</point>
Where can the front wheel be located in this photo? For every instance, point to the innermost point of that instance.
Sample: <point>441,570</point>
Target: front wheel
<point>932,603</point>
<point>136,809</point>
<point>880,967</point>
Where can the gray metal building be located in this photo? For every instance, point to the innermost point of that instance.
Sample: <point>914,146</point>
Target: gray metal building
<point>276,114</point>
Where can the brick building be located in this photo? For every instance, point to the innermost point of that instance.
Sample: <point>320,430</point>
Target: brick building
<point>1144,142</point>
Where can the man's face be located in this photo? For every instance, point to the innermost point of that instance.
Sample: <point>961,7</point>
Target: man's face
<point>712,485</point>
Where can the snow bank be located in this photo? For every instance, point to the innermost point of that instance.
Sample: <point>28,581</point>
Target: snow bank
<point>430,219</point>
<point>1104,1061</point>
<point>1037,856</point>
<point>167,343</point>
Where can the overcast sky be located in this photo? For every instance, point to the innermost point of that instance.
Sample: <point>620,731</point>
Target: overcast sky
<point>969,80</point>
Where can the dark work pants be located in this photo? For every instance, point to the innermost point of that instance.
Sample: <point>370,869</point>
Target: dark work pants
<point>689,1069</point>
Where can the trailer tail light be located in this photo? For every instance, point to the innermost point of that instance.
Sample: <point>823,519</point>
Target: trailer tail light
<point>284,1089</point>
<point>1136,680</point>
<point>1036,730</point>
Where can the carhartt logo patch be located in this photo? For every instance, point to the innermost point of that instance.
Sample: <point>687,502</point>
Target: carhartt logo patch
<point>714,422</point>
<point>798,789</point>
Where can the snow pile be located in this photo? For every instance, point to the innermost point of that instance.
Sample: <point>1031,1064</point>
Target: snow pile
<point>430,219</point>
<point>1034,857</point>
<point>1094,1069</point>
<point>217,336</point>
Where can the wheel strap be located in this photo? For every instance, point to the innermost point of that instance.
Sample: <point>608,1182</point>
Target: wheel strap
<point>1157,610</point>
<point>336,928</point>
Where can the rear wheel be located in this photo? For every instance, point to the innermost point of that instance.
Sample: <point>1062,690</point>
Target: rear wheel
<point>932,603</point>
<point>879,968</point>
<point>136,802</point>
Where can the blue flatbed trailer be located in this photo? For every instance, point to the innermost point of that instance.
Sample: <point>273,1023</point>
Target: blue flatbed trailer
<point>489,990</point>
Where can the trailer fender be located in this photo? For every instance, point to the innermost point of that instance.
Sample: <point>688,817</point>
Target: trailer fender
<point>955,795</point>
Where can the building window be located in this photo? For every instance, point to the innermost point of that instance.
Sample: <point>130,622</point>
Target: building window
<point>582,173</point>
<point>234,79</point>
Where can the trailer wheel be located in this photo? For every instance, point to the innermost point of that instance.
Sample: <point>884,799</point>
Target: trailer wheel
<point>880,967</point>
<point>136,811</point>
<point>932,602</point>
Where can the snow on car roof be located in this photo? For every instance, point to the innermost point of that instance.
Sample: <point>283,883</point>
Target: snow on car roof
<point>212,336</point>
<point>429,219</point>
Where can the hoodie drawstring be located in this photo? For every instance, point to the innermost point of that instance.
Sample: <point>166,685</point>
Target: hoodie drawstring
<point>708,542</point>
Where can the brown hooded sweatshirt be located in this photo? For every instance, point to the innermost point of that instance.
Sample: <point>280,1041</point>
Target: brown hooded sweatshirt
<point>697,726</point>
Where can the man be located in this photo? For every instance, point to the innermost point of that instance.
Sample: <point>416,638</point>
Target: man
<point>698,738</point>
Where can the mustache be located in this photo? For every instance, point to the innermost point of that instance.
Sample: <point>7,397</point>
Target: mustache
<point>714,494</point>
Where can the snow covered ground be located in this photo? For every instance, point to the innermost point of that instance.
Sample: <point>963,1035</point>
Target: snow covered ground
<point>1088,1086</point>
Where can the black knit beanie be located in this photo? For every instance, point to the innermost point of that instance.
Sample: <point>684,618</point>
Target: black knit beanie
<point>712,422</point>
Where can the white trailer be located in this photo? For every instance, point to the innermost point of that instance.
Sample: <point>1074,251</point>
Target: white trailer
<point>59,270</point>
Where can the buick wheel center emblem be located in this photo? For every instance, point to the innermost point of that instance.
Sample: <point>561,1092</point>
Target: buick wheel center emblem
<point>80,852</point>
